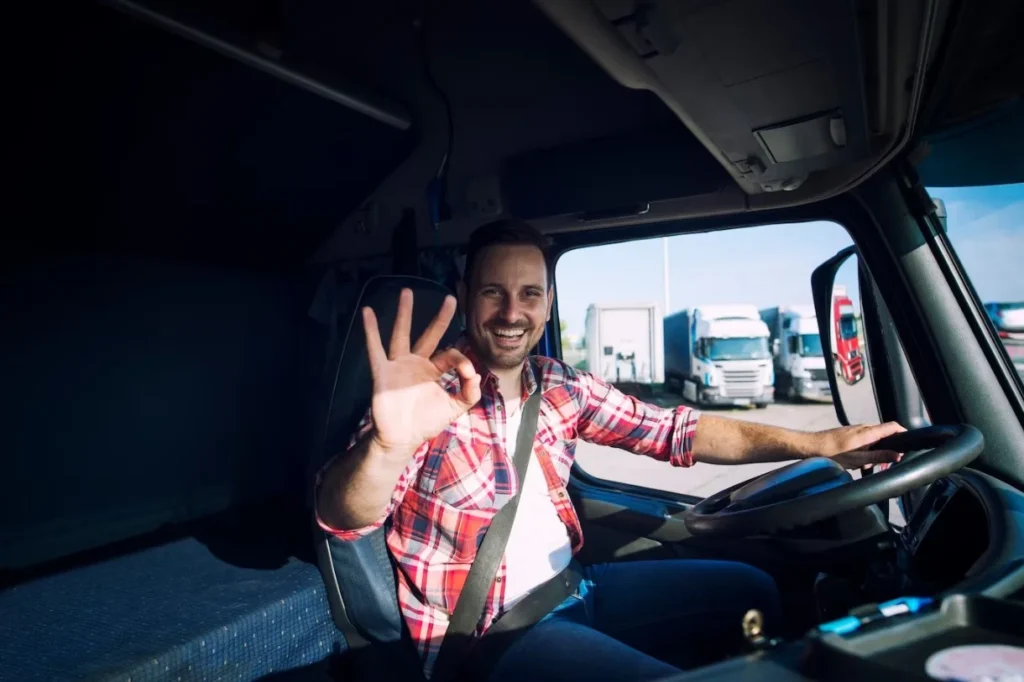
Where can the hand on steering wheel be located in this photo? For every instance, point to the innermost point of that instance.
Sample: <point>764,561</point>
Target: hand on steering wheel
<point>817,488</point>
<point>857,447</point>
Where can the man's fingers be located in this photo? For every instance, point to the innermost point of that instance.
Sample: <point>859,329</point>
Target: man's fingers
<point>879,456</point>
<point>427,343</point>
<point>865,437</point>
<point>890,429</point>
<point>469,382</point>
<point>470,393</point>
<point>374,346</point>
<point>403,325</point>
<point>451,359</point>
<point>859,459</point>
<point>469,379</point>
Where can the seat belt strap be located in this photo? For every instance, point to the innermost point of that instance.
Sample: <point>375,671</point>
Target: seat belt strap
<point>527,612</point>
<point>470,606</point>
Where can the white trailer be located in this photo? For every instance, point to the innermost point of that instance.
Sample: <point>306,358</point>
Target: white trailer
<point>799,357</point>
<point>624,343</point>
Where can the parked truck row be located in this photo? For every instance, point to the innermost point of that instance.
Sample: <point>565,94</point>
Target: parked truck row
<point>725,354</point>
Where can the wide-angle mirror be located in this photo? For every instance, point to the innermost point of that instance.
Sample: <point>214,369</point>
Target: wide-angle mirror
<point>837,303</point>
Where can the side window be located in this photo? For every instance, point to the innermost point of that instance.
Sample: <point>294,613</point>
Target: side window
<point>740,337</point>
<point>985,225</point>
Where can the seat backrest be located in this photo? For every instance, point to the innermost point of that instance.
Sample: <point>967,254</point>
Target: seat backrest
<point>359,575</point>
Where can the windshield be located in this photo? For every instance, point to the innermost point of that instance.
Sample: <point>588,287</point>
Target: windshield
<point>743,348</point>
<point>810,346</point>
<point>1006,307</point>
<point>847,327</point>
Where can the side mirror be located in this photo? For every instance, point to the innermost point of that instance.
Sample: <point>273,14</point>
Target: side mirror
<point>775,347</point>
<point>836,306</point>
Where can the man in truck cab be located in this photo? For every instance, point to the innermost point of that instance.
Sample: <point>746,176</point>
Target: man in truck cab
<point>434,458</point>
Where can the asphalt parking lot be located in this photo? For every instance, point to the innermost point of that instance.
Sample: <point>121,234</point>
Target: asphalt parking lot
<point>703,479</point>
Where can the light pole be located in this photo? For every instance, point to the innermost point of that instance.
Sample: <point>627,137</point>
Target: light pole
<point>664,251</point>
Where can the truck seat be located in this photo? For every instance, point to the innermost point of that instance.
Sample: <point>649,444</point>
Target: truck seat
<point>359,575</point>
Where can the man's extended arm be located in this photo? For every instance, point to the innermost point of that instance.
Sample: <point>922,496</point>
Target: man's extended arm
<point>682,435</point>
<point>720,440</point>
<point>356,491</point>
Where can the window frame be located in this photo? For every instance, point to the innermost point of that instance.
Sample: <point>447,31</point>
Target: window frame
<point>926,293</point>
<point>578,476</point>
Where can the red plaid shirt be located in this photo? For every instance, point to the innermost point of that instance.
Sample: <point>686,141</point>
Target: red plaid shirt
<point>454,485</point>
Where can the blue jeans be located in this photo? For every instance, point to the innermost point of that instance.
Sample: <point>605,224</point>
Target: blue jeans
<point>642,620</point>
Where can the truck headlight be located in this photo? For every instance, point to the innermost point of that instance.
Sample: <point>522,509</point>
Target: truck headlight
<point>710,379</point>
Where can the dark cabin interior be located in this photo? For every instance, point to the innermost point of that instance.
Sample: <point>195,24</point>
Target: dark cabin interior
<point>195,236</point>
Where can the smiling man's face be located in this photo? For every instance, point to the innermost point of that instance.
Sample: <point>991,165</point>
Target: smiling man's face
<point>507,303</point>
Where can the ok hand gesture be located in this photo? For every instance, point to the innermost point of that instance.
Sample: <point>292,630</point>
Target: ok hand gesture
<point>409,405</point>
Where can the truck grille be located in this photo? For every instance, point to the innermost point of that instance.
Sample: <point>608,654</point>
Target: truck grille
<point>742,376</point>
<point>818,375</point>
<point>742,383</point>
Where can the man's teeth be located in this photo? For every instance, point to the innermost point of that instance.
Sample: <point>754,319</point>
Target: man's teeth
<point>510,333</point>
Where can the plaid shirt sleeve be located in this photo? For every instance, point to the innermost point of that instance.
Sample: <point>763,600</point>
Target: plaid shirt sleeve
<point>610,417</point>
<point>404,480</point>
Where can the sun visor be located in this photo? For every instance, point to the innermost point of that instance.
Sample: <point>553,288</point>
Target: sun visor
<point>988,150</point>
<point>614,175</point>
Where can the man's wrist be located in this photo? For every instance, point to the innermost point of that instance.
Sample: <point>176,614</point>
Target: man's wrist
<point>809,444</point>
<point>383,451</point>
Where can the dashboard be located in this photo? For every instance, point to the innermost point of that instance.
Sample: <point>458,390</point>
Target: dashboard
<point>946,535</point>
<point>962,552</point>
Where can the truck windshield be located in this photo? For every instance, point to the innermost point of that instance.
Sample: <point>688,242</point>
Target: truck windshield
<point>738,349</point>
<point>847,327</point>
<point>810,346</point>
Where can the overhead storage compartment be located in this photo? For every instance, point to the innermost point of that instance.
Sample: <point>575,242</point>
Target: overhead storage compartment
<point>776,91</point>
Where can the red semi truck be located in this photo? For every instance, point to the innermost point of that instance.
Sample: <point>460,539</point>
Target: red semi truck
<point>846,354</point>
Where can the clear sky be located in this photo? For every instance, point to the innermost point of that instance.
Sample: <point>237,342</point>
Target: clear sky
<point>772,264</point>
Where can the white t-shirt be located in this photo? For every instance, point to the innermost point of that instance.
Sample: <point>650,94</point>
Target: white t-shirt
<point>538,546</point>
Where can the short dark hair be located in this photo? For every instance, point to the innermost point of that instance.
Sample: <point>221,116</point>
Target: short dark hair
<point>508,231</point>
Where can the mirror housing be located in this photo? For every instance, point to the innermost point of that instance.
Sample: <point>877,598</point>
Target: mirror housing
<point>775,347</point>
<point>822,282</point>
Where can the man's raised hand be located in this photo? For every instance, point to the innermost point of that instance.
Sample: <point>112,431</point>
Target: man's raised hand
<point>409,406</point>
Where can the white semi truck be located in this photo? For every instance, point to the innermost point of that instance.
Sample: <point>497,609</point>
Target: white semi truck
<point>719,355</point>
<point>799,360</point>
<point>624,343</point>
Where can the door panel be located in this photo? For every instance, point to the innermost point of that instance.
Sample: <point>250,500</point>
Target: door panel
<point>620,525</point>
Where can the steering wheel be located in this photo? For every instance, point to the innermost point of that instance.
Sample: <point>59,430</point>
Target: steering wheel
<point>817,488</point>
